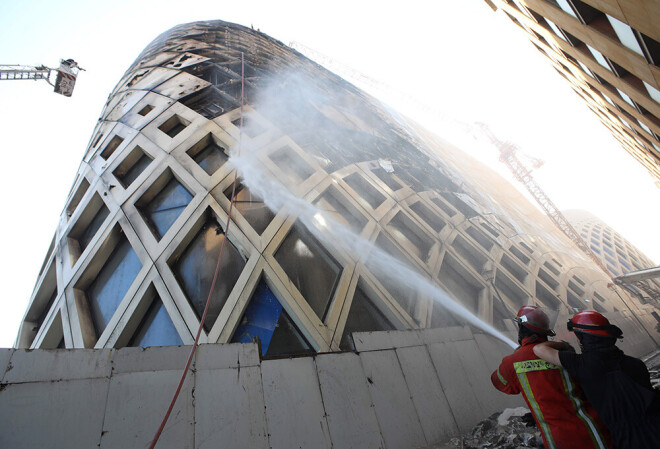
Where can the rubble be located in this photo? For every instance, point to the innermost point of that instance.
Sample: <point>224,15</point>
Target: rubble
<point>508,429</point>
<point>502,430</point>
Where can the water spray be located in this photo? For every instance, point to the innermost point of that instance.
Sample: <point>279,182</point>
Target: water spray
<point>276,196</point>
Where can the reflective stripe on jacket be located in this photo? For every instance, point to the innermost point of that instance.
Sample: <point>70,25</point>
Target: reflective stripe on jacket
<point>565,419</point>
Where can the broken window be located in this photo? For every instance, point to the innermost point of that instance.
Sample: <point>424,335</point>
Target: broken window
<point>365,190</point>
<point>156,328</point>
<point>174,125</point>
<point>311,269</point>
<point>266,320</point>
<point>209,102</point>
<point>403,228</point>
<point>428,216</point>
<point>332,203</point>
<point>111,284</point>
<point>363,316</point>
<point>251,207</point>
<point>111,147</point>
<point>196,266</point>
<point>209,154</point>
<point>132,166</point>
<point>162,203</point>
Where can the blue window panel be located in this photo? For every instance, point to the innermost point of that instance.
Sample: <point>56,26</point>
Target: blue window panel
<point>312,270</point>
<point>265,319</point>
<point>156,328</point>
<point>195,269</point>
<point>112,283</point>
<point>166,207</point>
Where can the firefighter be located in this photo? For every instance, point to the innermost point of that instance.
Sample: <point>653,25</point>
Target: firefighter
<point>618,386</point>
<point>565,419</point>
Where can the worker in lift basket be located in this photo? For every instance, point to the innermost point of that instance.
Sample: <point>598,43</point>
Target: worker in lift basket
<point>618,386</point>
<point>565,418</point>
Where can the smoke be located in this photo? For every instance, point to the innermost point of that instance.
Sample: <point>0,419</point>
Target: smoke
<point>293,103</point>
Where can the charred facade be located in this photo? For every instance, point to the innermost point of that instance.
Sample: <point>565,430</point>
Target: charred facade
<point>134,254</point>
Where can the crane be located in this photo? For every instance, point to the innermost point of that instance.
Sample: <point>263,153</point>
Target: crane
<point>523,174</point>
<point>65,78</point>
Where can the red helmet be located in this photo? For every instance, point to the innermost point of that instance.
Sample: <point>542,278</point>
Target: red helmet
<point>592,322</point>
<point>535,319</point>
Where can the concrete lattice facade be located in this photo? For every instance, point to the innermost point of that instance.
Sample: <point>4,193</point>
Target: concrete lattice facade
<point>609,51</point>
<point>615,252</point>
<point>133,256</point>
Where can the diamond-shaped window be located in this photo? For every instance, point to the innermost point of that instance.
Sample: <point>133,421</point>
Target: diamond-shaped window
<point>311,269</point>
<point>195,269</point>
<point>86,227</point>
<point>265,319</point>
<point>366,191</point>
<point>132,166</point>
<point>162,203</point>
<point>156,328</point>
<point>290,163</point>
<point>334,204</point>
<point>364,316</point>
<point>209,154</point>
<point>251,207</point>
<point>111,284</point>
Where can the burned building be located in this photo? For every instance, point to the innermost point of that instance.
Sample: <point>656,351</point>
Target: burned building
<point>346,219</point>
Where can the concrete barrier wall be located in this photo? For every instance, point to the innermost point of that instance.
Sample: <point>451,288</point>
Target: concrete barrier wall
<point>402,389</point>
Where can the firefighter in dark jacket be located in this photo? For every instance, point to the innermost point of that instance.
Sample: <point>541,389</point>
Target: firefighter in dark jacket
<point>618,386</point>
<point>565,419</point>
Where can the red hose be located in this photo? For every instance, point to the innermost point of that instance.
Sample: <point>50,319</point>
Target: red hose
<point>215,275</point>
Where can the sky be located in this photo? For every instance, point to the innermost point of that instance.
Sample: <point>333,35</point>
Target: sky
<point>460,58</point>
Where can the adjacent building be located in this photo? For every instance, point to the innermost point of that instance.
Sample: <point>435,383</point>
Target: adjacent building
<point>609,52</point>
<point>616,253</point>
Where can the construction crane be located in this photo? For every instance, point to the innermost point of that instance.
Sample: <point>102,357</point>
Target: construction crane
<point>65,75</point>
<point>523,174</point>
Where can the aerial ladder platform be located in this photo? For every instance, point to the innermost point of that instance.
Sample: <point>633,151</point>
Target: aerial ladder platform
<point>65,75</point>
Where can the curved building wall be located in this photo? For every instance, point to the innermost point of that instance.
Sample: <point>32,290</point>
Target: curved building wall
<point>614,251</point>
<point>132,259</point>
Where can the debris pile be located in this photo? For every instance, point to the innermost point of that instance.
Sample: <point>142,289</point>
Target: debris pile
<point>510,429</point>
<point>503,430</point>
